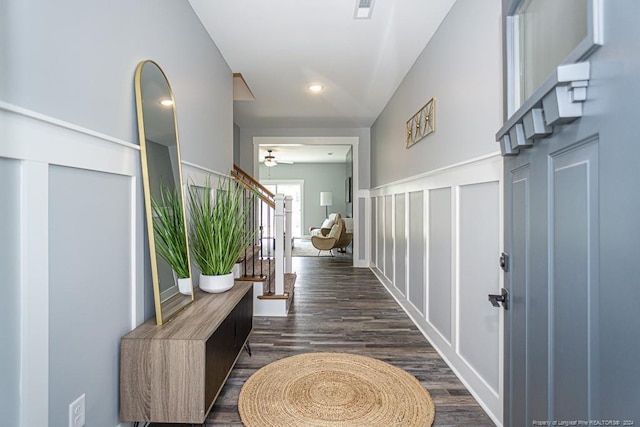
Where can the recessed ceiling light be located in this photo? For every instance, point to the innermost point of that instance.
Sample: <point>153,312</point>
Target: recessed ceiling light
<point>166,102</point>
<point>315,87</point>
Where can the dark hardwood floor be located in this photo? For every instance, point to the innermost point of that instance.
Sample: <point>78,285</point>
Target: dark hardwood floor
<point>344,309</point>
<point>340,308</point>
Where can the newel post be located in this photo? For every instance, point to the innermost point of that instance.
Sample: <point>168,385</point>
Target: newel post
<point>279,219</point>
<point>288,234</point>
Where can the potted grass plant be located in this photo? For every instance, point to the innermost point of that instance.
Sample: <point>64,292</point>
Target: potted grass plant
<point>170,235</point>
<point>217,232</point>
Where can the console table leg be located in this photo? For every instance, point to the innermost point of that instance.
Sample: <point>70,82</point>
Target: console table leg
<point>247,347</point>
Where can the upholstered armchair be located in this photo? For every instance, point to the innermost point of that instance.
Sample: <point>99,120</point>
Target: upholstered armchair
<point>328,242</point>
<point>325,228</point>
<point>347,235</point>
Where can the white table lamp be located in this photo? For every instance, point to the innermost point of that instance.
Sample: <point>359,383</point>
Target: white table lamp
<point>326,200</point>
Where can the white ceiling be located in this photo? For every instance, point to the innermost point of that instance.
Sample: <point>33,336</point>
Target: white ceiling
<point>281,46</point>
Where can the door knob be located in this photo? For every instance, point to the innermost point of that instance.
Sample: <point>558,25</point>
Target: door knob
<point>503,298</point>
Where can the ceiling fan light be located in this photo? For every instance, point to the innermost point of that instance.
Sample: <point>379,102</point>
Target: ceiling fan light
<point>269,159</point>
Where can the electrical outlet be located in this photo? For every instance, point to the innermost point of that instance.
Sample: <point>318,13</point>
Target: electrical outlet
<point>76,412</point>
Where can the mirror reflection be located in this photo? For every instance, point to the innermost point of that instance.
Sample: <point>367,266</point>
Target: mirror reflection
<point>163,191</point>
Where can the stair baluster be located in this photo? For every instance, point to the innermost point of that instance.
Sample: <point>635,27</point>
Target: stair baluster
<point>272,250</point>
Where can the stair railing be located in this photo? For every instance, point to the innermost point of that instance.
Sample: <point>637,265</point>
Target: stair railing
<point>252,184</point>
<point>270,222</point>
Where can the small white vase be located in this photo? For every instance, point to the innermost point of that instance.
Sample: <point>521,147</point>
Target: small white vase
<point>216,284</point>
<point>184,286</point>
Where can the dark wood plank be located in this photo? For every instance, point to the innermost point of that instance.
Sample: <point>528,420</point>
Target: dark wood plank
<point>273,296</point>
<point>251,279</point>
<point>340,308</point>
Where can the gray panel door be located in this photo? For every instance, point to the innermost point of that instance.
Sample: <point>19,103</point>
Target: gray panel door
<point>553,241</point>
<point>572,203</point>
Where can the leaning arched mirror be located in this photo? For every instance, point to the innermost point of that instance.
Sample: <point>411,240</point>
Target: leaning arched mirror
<point>163,192</point>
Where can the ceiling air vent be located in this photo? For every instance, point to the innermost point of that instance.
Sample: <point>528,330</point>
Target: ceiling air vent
<point>363,9</point>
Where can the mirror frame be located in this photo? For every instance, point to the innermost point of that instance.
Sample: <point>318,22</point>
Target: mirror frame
<point>170,307</point>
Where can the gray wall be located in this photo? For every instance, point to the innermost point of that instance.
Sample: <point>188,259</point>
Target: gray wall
<point>236,144</point>
<point>416,250</point>
<point>74,61</point>
<point>478,246</point>
<point>86,303</point>
<point>317,177</point>
<point>10,301</point>
<point>462,68</point>
<point>439,268</point>
<point>425,192</point>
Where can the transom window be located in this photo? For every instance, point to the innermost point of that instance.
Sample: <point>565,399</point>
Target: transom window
<point>544,34</point>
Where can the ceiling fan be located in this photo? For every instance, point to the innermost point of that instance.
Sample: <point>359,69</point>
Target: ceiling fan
<point>270,160</point>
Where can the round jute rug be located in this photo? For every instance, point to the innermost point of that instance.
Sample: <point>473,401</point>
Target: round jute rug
<point>333,389</point>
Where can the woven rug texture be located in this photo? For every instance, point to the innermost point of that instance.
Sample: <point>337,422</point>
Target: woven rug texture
<point>334,389</point>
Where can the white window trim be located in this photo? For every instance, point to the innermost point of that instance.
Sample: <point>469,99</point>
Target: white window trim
<point>512,135</point>
<point>586,47</point>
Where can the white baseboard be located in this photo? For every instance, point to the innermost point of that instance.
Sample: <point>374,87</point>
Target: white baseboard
<point>443,354</point>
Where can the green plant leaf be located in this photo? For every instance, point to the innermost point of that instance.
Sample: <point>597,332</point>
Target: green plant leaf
<point>218,232</point>
<point>169,229</point>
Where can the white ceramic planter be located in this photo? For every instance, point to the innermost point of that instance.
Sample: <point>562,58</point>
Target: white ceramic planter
<point>216,284</point>
<point>184,286</point>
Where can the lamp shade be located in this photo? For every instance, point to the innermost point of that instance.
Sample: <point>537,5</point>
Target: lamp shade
<point>326,198</point>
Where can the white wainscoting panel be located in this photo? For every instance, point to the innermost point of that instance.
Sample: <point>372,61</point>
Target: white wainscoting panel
<point>43,146</point>
<point>80,207</point>
<point>380,233</point>
<point>10,301</point>
<point>450,223</point>
<point>388,237</point>
<point>362,255</point>
<point>478,321</point>
<point>439,267</point>
<point>373,243</point>
<point>417,252</point>
<point>89,296</point>
<point>400,280</point>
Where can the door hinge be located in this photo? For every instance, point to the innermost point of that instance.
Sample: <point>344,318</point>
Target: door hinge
<point>504,262</point>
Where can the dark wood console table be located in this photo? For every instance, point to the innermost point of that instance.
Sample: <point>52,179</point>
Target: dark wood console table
<point>173,373</point>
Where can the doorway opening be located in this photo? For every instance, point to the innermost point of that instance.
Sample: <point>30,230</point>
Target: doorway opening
<point>325,165</point>
<point>295,189</point>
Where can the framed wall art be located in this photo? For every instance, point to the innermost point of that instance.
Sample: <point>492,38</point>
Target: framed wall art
<point>422,123</point>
